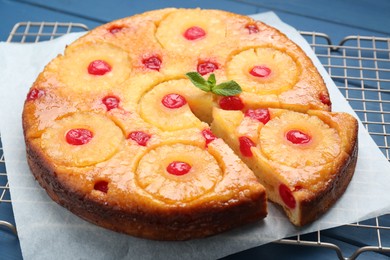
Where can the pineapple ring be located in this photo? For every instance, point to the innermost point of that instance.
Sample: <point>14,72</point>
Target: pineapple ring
<point>171,30</point>
<point>323,147</point>
<point>75,74</point>
<point>152,174</point>
<point>105,142</point>
<point>283,74</point>
<point>154,112</point>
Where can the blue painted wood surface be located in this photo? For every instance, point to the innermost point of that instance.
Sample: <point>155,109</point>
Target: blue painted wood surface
<point>333,17</point>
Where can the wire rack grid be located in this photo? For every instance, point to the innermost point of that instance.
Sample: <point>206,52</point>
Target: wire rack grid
<point>360,67</point>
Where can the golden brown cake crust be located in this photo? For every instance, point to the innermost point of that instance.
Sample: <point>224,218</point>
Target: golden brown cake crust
<point>108,90</point>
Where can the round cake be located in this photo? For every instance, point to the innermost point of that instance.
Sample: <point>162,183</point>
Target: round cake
<point>125,128</point>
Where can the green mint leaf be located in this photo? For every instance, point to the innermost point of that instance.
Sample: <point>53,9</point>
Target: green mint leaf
<point>229,88</point>
<point>212,79</point>
<point>199,81</point>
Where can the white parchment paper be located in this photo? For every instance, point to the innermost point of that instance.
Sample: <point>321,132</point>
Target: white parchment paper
<point>48,231</point>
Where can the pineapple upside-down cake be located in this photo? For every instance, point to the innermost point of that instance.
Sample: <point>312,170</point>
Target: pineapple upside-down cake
<point>180,123</point>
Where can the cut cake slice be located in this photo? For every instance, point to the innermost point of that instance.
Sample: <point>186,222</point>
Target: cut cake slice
<point>305,160</point>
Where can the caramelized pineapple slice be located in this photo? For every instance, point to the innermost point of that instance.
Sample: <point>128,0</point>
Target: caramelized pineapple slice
<point>299,140</point>
<point>288,138</point>
<point>264,70</point>
<point>171,105</point>
<point>178,172</point>
<point>130,34</point>
<point>43,113</point>
<point>81,139</point>
<point>191,31</point>
<point>94,67</point>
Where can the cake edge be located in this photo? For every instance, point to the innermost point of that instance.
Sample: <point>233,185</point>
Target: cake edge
<point>206,221</point>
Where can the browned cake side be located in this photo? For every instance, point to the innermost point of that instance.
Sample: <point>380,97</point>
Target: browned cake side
<point>147,219</point>
<point>314,207</point>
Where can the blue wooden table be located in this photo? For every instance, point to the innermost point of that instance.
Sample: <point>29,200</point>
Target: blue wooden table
<point>335,18</point>
<point>332,17</point>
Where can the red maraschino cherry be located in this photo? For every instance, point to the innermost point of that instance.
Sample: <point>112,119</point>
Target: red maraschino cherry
<point>153,63</point>
<point>252,28</point>
<point>206,67</point>
<point>208,135</point>
<point>115,29</point>
<point>261,114</point>
<point>297,137</point>
<point>78,136</point>
<point>111,102</point>
<point>245,146</point>
<point>35,94</point>
<point>325,99</point>
<point>260,71</point>
<point>101,186</point>
<point>194,33</point>
<point>231,103</point>
<point>287,196</point>
<point>178,168</point>
<point>140,137</point>
<point>173,101</point>
<point>99,67</point>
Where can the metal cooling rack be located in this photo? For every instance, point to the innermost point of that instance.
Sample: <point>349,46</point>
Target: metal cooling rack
<point>360,67</point>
